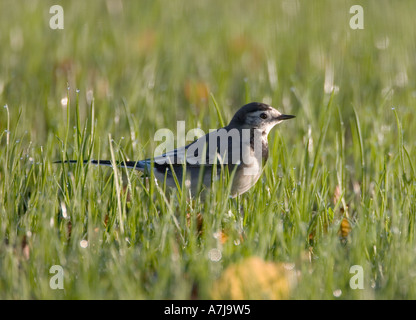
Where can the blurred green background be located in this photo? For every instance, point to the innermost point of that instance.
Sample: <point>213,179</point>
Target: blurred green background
<point>144,65</point>
<point>159,58</point>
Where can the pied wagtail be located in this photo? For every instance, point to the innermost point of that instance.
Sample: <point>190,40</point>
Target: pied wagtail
<point>241,146</point>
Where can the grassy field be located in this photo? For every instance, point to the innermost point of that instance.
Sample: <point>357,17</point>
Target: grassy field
<point>338,189</point>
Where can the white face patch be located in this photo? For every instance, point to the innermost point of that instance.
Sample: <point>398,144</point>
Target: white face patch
<point>254,119</point>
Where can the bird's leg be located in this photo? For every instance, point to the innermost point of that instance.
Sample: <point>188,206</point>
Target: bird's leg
<point>240,216</point>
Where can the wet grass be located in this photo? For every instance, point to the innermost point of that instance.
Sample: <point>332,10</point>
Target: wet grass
<point>338,189</point>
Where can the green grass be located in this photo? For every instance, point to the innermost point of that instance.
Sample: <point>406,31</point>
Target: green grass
<point>147,64</point>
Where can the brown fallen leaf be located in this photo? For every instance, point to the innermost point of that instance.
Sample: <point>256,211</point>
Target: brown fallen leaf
<point>254,278</point>
<point>345,228</point>
<point>196,92</point>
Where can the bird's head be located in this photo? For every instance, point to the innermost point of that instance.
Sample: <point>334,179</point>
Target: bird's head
<point>256,115</point>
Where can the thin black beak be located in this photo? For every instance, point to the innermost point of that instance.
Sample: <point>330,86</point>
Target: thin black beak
<point>284,117</point>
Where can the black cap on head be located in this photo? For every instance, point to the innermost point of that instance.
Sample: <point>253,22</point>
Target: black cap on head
<point>240,115</point>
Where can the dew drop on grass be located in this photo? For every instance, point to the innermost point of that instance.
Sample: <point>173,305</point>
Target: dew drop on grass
<point>395,230</point>
<point>64,101</point>
<point>188,183</point>
<point>83,243</point>
<point>289,265</point>
<point>63,210</point>
<point>214,255</point>
<point>337,293</point>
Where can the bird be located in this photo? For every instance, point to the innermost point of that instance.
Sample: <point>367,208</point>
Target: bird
<point>241,147</point>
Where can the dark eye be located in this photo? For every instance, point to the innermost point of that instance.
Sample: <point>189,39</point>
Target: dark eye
<point>263,115</point>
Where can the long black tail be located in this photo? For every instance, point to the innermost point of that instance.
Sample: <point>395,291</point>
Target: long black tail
<point>139,165</point>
